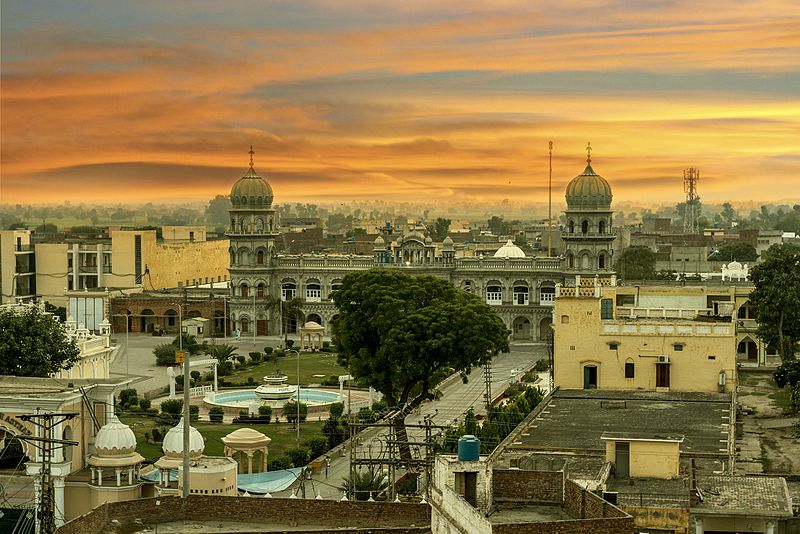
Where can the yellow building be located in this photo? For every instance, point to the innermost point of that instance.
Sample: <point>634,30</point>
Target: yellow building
<point>17,272</point>
<point>644,337</point>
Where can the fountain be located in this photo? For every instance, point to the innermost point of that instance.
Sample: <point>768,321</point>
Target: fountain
<point>275,388</point>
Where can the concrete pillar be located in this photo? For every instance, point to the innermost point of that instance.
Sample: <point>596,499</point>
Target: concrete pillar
<point>100,476</point>
<point>118,472</point>
<point>130,476</point>
<point>249,462</point>
<point>770,527</point>
<point>215,377</point>
<point>58,490</point>
<point>698,525</point>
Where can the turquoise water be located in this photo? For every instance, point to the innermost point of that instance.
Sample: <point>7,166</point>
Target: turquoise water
<point>246,397</point>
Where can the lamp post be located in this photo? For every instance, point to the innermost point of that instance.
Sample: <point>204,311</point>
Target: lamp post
<point>186,411</point>
<point>297,352</point>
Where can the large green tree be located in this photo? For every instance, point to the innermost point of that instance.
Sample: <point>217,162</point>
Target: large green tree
<point>33,344</point>
<point>401,334</point>
<point>776,298</point>
<point>734,251</point>
<point>636,263</point>
<point>440,228</point>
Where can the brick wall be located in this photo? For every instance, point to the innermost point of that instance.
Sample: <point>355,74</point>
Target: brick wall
<point>621,525</point>
<point>400,518</point>
<point>532,487</point>
<point>583,504</point>
<point>201,307</point>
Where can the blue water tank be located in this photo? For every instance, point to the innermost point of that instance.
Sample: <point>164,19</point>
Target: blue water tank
<point>469,449</point>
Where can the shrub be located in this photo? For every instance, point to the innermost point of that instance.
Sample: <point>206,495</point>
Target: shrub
<point>144,404</point>
<point>794,399</point>
<point>265,409</point>
<point>157,435</point>
<point>254,356</point>
<point>215,414</point>
<point>298,455</point>
<point>268,350</point>
<point>334,432</point>
<point>165,354</point>
<point>279,353</point>
<point>250,381</point>
<point>126,395</point>
<point>290,411</point>
<point>289,343</point>
<point>318,445</point>
<point>173,407</point>
<point>366,415</point>
<point>336,409</point>
<point>194,413</point>
<point>380,407</point>
<point>330,380</point>
<point>787,374</point>
<point>152,411</point>
<point>195,375</point>
<point>326,344</point>
<point>279,462</point>
<point>541,365</point>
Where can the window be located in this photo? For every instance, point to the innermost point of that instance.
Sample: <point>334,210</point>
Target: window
<point>245,292</point>
<point>565,319</point>
<point>260,291</point>
<point>629,370</point>
<point>606,309</point>
<point>313,292</point>
<point>521,295</point>
<point>260,257</point>
<point>494,295</point>
<point>547,295</point>
<point>712,357</point>
<point>613,346</point>
<point>585,227</point>
<point>288,290</point>
<point>678,347</point>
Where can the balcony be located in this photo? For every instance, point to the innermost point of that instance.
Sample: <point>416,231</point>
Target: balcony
<point>22,249</point>
<point>625,312</point>
<point>665,328</point>
<point>611,234</point>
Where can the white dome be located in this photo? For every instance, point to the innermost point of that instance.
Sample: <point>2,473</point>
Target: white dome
<point>734,265</point>
<point>312,325</point>
<point>509,250</point>
<point>379,241</point>
<point>173,441</point>
<point>428,240</point>
<point>115,439</point>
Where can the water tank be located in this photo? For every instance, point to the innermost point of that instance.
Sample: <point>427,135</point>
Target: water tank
<point>469,449</point>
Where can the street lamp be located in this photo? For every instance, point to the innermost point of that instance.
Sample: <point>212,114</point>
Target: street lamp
<point>297,352</point>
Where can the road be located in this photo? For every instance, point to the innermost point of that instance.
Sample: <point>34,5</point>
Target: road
<point>457,397</point>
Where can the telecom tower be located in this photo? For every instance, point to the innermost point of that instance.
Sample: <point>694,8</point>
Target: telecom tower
<point>690,178</point>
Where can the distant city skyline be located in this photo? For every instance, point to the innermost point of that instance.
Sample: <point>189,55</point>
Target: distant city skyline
<point>413,101</point>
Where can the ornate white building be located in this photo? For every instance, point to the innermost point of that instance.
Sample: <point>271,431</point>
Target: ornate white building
<point>522,289</point>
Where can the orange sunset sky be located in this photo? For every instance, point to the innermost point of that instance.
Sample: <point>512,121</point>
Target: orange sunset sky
<point>111,101</point>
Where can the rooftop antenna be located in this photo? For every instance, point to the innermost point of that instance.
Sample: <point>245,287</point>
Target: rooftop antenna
<point>690,178</point>
<point>550,203</point>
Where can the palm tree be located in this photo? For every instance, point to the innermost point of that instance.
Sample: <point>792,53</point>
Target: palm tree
<point>365,484</point>
<point>290,309</point>
<point>223,353</point>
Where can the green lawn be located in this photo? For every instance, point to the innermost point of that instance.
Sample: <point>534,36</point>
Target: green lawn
<point>283,435</point>
<point>316,363</point>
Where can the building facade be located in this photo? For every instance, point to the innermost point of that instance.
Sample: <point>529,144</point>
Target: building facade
<point>522,289</point>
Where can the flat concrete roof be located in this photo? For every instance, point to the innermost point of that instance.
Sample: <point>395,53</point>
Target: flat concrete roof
<point>530,514</point>
<point>574,421</point>
<point>751,496</point>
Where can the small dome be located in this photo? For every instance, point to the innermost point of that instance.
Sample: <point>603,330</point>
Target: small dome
<point>428,240</point>
<point>251,191</point>
<point>414,235</point>
<point>447,241</point>
<point>312,325</point>
<point>509,250</point>
<point>588,190</point>
<point>115,439</point>
<point>173,442</point>
<point>379,241</point>
<point>245,437</point>
<point>734,265</point>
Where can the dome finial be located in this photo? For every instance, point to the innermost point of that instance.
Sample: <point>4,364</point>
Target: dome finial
<point>251,156</point>
<point>588,152</point>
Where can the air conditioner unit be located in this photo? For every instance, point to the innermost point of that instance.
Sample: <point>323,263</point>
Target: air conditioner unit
<point>663,359</point>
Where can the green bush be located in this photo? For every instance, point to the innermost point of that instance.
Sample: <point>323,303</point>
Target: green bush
<point>380,408</point>
<point>279,353</point>
<point>126,395</point>
<point>290,411</point>
<point>334,431</point>
<point>794,399</point>
<point>265,409</point>
<point>173,407</point>
<point>255,356</point>
<point>300,456</point>
<point>251,381</point>
<point>268,350</point>
<point>318,445</point>
<point>330,380</point>
<point>279,462</point>
<point>195,375</point>
<point>336,409</point>
<point>194,413</point>
<point>366,415</point>
<point>541,365</point>
<point>215,414</point>
<point>289,343</point>
<point>152,411</point>
<point>144,404</point>
<point>165,354</point>
<point>157,435</point>
<point>788,374</point>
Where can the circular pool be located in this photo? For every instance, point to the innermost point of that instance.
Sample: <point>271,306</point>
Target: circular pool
<point>245,398</point>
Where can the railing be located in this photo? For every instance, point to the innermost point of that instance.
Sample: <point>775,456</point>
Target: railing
<point>624,312</point>
<point>23,248</point>
<point>665,328</point>
<point>610,233</point>
<point>92,345</point>
<point>654,500</point>
<point>200,391</point>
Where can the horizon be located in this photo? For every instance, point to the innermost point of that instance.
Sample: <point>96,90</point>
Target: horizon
<point>412,103</point>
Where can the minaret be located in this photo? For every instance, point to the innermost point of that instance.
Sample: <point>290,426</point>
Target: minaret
<point>253,231</point>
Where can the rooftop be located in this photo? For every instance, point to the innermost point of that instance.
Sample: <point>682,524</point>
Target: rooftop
<point>756,495</point>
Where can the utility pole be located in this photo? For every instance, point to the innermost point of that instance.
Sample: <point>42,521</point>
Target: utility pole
<point>487,377</point>
<point>45,443</point>
<point>690,178</point>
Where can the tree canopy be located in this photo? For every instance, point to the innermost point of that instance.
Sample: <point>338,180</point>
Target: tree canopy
<point>776,298</point>
<point>397,332</point>
<point>636,263</point>
<point>740,252</point>
<point>32,343</point>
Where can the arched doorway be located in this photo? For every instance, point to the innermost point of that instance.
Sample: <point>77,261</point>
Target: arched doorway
<point>545,329</point>
<point>147,322</point>
<point>219,323</point>
<point>313,317</point>
<point>521,328</point>
<point>747,349</point>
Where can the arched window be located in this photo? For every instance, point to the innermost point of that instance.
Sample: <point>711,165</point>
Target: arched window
<point>570,261</point>
<point>520,294</point>
<point>245,291</point>
<point>172,316</point>
<point>288,290</point>
<point>241,226</point>
<point>494,293</point>
<point>260,257</point>
<point>601,261</point>
<point>547,295</point>
<point>313,291</point>
<point>585,227</point>
<point>572,227</point>
<point>260,290</point>
<point>259,226</point>
<point>601,227</point>
<point>245,322</point>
